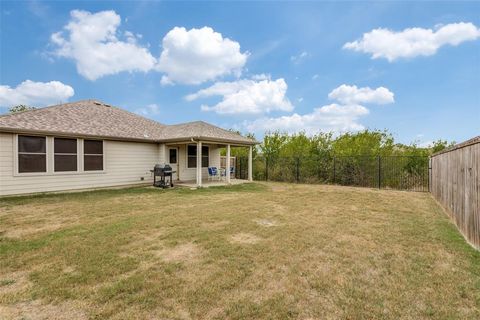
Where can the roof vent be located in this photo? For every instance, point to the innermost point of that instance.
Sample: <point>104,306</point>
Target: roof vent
<point>145,135</point>
<point>107,105</point>
<point>97,103</point>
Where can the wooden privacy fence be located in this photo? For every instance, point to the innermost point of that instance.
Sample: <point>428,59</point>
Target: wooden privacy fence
<point>455,183</point>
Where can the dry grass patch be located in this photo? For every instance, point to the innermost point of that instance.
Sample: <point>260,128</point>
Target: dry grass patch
<point>187,252</point>
<point>244,238</point>
<point>36,310</point>
<point>266,222</point>
<point>37,219</point>
<point>215,224</point>
<point>14,283</point>
<point>255,251</point>
<point>143,240</point>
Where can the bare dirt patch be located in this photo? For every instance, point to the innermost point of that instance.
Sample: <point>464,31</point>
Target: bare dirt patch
<point>279,187</point>
<point>69,269</point>
<point>244,238</point>
<point>266,222</point>
<point>187,252</point>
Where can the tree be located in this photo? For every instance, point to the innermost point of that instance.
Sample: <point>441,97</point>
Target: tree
<point>321,144</point>
<point>439,145</point>
<point>272,144</point>
<point>296,145</point>
<point>363,143</point>
<point>20,108</point>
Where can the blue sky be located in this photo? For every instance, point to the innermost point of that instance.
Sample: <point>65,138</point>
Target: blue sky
<point>259,66</point>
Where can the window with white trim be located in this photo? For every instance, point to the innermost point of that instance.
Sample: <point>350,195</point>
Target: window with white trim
<point>192,156</point>
<point>64,155</point>
<point>92,155</point>
<point>32,154</point>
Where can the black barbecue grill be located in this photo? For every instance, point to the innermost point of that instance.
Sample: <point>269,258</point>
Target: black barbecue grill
<point>163,171</point>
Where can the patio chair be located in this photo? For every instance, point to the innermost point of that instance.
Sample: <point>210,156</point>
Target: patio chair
<point>212,173</point>
<point>223,172</point>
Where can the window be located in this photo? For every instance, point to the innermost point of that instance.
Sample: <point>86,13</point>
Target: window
<point>32,154</point>
<point>92,155</point>
<point>205,157</point>
<point>172,156</point>
<point>192,156</point>
<point>65,154</point>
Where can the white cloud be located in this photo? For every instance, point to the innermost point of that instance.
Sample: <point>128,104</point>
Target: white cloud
<point>261,76</point>
<point>150,109</point>
<point>333,117</point>
<point>352,95</point>
<point>315,77</point>
<point>95,43</point>
<point>199,55</point>
<point>247,96</point>
<point>91,41</point>
<point>35,94</point>
<point>412,42</point>
<point>337,117</point>
<point>299,57</point>
<point>165,81</point>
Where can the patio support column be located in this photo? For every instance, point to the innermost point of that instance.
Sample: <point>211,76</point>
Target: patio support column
<point>250,163</point>
<point>199,164</point>
<point>227,165</point>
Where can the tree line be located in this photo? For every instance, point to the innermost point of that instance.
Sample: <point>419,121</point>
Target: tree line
<point>369,158</point>
<point>362,143</point>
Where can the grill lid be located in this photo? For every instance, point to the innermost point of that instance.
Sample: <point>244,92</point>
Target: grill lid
<point>161,169</point>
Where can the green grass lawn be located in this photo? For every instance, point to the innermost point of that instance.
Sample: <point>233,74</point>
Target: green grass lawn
<point>253,251</point>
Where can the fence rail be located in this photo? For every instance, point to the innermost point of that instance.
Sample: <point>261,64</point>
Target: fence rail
<point>385,172</point>
<point>455,183</point>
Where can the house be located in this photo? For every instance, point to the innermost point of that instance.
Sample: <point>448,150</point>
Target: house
<point>90,144</point>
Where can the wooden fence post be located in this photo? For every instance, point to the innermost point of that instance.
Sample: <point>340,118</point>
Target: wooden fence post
<point>430,174</point>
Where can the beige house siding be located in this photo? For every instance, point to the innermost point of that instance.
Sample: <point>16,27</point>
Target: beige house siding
<point>125,163</point>
<point>187,174</point>
<point>162,153</point>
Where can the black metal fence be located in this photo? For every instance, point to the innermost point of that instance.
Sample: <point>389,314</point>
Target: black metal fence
<point>385,172</point>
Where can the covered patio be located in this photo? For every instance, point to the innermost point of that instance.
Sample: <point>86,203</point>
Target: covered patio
<point>191,161</point>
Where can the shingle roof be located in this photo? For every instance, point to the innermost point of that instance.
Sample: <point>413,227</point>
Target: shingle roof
<point>97,119</point>
<point>202,130</point>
